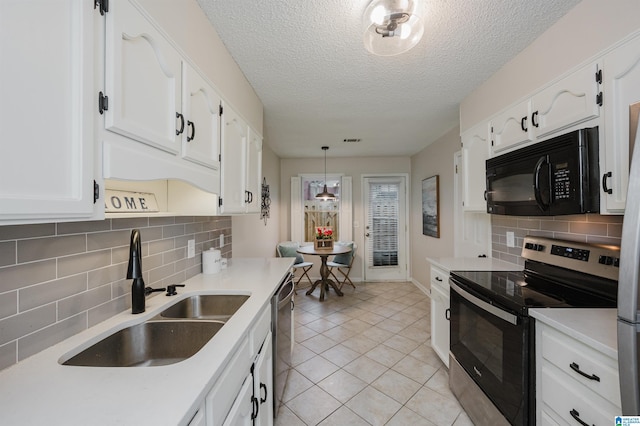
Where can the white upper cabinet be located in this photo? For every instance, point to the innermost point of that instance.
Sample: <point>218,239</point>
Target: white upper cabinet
<point>47,105</point>
<point>475,151</point>
<point>511,128</point>
<point>570,101</point>
<point>202,111</point>
<point>254,172</point>
<point>621,75</point>
<point>143,80</point>
<point>234,154</point>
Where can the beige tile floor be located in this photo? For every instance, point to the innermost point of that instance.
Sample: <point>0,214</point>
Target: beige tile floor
<point>366,359</point>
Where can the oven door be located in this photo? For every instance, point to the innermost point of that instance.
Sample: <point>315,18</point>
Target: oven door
<point>492,345</point>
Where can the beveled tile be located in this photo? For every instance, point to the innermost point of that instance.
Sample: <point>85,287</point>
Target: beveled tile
<point>396,386</point>
<point>343,417</point>
<point>365,369</point>
<point>313,405</point>
<point>317,368</point>
<point>342,385</point>
<point>374,406</point>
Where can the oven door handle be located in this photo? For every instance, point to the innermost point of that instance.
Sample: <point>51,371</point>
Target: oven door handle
<point>506,316</point>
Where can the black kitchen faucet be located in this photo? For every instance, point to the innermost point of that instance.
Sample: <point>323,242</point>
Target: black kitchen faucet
<point>134,271</point>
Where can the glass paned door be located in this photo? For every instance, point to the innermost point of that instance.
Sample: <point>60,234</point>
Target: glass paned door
<point>385,229</point>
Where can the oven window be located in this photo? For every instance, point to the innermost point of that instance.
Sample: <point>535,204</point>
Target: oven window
<point>484,339</point>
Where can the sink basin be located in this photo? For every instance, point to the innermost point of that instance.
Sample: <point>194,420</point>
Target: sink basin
<point>210,307</point>
<point>148,344</point>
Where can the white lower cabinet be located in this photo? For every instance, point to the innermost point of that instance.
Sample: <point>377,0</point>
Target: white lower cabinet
<point>243,395</point>
<point>574,382</point>
<point>199,418</point>
<point>440,313</point>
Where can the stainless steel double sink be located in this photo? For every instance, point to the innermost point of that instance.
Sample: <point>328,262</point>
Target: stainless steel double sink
<point>174,335</point>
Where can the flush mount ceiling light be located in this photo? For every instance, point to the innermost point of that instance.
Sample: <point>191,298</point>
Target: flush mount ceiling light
<point>391,27</point>
<point>325,194</point>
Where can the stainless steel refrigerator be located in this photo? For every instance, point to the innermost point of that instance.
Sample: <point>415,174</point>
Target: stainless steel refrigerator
<point>629,281</point>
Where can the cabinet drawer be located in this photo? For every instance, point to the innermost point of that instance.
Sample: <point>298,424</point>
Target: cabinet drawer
<point>439,277</point>
<point>260,330</point>
<point>219,400</point>
<point>564,395</point>
<point>563,351</point>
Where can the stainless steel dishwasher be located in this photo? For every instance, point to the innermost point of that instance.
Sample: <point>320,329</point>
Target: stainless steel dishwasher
<point>282,323</point>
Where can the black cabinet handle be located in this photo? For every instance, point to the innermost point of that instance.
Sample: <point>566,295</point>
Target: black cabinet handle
<point>485,195</point>
<point>181,117</point>
<point>604,183</point>
<point>537,191</point>
<point>577,418</point>
<point>447,314</point>
<point>438,279</point>
<point>575,367</point>
<point>193,131</point>
<point>523,123</point>
<point>263,386</point>
<point>533,119</point>
<point>255,409</point>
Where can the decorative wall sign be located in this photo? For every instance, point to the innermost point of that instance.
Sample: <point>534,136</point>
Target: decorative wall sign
<point>129,202</point>
<point>431,207</point>
<point>266,201</point>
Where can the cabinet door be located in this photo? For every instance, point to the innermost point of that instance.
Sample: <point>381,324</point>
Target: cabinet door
<point>475,151</point>
<point>621,75</point>
<point>143,80</point>
<point>440,323</point>
<point>234,145</point>
<point>242,408</point>
<point>263,383</point>
<point>570,101</point>
<point>254,172</point>
<point>47,109</point>
<point>511,128</point>
<point>201,136</point>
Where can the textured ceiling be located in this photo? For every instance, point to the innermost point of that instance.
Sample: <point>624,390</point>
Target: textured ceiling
<point>319,85</point>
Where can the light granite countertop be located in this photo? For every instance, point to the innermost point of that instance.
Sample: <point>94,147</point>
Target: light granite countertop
<point>41,391</point>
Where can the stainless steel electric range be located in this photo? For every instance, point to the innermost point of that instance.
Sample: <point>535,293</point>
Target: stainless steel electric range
<point>492,350</point>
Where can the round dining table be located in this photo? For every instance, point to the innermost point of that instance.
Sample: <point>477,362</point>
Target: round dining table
<point>324,281</point>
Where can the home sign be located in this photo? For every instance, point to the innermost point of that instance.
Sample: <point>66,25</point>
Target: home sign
<point>129,202</point>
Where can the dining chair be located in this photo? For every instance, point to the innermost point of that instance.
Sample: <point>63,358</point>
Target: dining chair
<point>288,249</point>
<point>342,263</point>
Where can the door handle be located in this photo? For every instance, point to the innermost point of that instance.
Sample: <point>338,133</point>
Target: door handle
<point>181,117</point>
<point>366,235</point>
<point>533,119</point>
<point>605,188</point>
<point>536,183</point>
<point>193,131</point>
<point>523,123</point>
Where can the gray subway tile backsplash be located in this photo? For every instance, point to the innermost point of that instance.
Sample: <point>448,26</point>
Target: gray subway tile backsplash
<point>591,228</point>
<point>70,276</point>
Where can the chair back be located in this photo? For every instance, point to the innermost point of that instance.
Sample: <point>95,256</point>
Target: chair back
<point>346,258</point>
<point>288,249</point>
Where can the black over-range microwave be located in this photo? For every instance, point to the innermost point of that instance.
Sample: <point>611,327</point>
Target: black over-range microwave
<point>556,177</point>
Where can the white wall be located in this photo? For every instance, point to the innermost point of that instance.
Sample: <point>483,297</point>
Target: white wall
<point>251,237</point>
<point>188,26</point>
<point>436,159</point>
<point>589,28</point>
<point>355,167</point>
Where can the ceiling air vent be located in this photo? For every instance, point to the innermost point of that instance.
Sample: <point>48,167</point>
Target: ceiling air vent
<point>352,140</point>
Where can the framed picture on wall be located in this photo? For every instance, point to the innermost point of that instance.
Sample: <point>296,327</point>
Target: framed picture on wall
<point>431,207</point>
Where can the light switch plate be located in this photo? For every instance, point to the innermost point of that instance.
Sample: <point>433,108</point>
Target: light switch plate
<point>511,242</point>
<point>221,240</point>
<point>191,248</point>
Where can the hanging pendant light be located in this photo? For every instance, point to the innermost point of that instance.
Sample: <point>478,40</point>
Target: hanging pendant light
<point>391,27</point>
<point>325,194</point>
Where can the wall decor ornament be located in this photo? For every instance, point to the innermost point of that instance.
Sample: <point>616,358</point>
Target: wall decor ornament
<point>431,207</point>
<point>265,207</point>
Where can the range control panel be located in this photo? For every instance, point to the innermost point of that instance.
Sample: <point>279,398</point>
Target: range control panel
<point>595,259</point>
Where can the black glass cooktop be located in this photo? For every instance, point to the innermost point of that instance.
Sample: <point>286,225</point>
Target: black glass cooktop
<point>518,291</point>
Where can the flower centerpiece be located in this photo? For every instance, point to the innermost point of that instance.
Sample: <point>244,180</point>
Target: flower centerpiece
<point>324,237</point>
